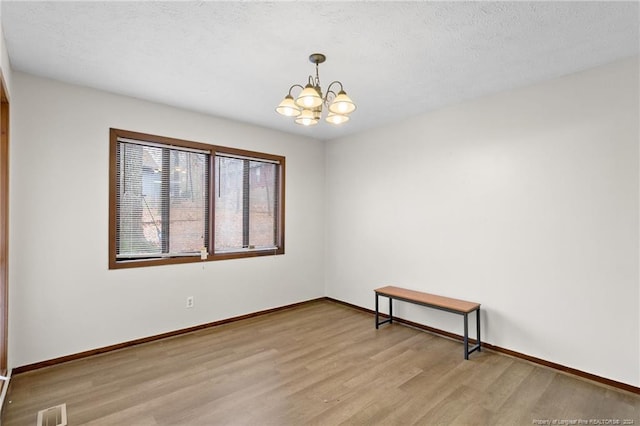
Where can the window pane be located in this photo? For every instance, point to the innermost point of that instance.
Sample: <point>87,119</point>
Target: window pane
<point>246,204</point>
<point>262,204</point>
<point>162,201</point>
<point>229,204</point>
<point>138,199</point>
<point>188,205</point>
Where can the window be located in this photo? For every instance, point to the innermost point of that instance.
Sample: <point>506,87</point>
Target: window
<point>175,201</point>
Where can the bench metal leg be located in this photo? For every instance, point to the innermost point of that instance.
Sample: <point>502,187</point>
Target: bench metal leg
<point>378,322</point>
<point>478,345</point>
<point>466,337</point>
<point>478,329</point>
<point>390,310</point>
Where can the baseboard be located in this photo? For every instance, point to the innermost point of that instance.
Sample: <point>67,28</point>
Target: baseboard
<point>85,354</point>
<point>573,371</point>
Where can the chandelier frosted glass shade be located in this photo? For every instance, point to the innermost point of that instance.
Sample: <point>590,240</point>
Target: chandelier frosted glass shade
<point>342,104</point>
<point>308,117</point>
<point>309,98</point>
<point>336,118</point>
<point>308,106</point>
<point>288,107</point>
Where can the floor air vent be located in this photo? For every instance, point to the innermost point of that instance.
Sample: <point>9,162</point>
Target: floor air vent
<point>54,416</point>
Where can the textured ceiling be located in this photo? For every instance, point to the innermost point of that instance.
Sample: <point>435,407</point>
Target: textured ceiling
<point>238,59</point>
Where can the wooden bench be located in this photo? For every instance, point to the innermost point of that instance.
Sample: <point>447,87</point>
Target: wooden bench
<point>457,306</point>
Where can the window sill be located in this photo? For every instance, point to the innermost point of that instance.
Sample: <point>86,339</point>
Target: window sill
<point>235,254</point>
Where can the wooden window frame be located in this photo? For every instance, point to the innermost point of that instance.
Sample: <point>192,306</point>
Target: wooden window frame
<point>114,263</point>
<point>4,228</point>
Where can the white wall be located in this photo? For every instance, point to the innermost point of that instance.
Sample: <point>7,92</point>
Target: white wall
<point>63,297</point>
<point>526,201</point>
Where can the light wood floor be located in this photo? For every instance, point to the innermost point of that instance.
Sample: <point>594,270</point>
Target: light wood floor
<point>319,363</point>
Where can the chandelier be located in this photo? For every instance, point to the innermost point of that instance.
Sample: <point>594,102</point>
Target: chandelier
<point>307,107</point>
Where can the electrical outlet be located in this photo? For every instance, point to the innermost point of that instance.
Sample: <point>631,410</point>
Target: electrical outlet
<point>190,302</point>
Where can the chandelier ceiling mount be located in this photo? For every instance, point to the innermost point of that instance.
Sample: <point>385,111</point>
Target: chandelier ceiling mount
<point>317,58</point>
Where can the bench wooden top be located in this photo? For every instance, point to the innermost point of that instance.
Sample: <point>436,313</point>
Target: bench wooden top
<point>428,299</point>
